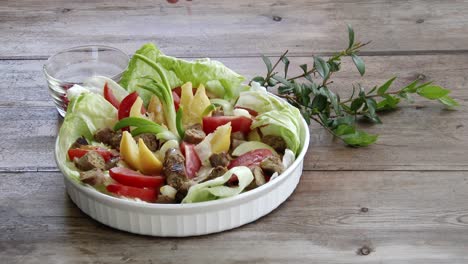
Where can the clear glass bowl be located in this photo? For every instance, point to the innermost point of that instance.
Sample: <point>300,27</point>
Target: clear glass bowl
<point>74,65</point>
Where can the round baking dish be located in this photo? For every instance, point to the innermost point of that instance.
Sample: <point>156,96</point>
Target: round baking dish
<point>179,220</point>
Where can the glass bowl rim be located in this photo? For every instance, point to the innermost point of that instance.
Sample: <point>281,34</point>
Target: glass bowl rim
<point>49,76</point>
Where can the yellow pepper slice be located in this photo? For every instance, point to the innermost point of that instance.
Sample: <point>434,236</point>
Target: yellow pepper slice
<point>156,111</point>
<point>221,140</point>
<point>135,110</point>
<point>199,103</point>
<point>149,164</point>
<point>193,105</point>
<point>139,157</point>
<point>129,151</point>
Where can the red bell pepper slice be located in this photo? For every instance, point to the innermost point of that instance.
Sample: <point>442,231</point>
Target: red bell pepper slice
<point>192,161</point>
<point>135,179</point>
<point>176,98</point>
<point>144,194</point>
<point>238,123</point>
<point>250,158</point>
<point>177,90</point>
<point>126,105</point>
<point>110,97</point>
<point>80,152</point>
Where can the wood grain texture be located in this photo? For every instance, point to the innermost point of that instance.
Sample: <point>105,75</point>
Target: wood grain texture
<point>403,200</point>
<point>422,136</point>
<point>232,28</point>
<point>400,216</point>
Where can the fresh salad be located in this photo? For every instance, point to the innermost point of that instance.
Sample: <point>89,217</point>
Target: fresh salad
<point>176,131</point>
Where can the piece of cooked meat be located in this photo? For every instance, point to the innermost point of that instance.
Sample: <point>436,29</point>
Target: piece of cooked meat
<point>108,137</point>
<point>174,168</point>
<point>112,163</point>
<point>236,142</point>
<point>150,141</point>
<point>238,135</point>
<point>81,141</point>
<point>93,177</point>
<point>216,172</point>
<point>182,192</point>
<point>89,161</point>
<point>165,199</point>
<point>217,112</point>
<point>219,159</point>
<point>272,164</point>
<point>194,134</point>
<point>259,178</point>
<point>276,142</point>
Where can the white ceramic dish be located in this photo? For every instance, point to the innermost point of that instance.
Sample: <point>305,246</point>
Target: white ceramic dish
<point>179,220</point>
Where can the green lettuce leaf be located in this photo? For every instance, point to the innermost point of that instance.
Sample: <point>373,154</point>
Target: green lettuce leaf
<point>86,113</point>
<point>217,78</point>
<point>215,189</point>
<point>285,123</point>
<point>260,101</point>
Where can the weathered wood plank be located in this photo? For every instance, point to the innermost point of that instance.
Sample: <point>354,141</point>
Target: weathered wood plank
<point>424,137</point>
<point>232,28</point>
<point>401,216</point>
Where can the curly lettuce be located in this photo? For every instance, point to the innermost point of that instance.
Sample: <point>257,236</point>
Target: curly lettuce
<point>87,112</point>
<point>217,78</point>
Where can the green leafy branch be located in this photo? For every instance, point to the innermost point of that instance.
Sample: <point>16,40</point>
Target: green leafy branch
<point>310,92</point>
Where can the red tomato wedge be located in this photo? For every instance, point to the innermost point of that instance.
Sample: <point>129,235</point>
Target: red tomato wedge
<point>110,97</point>
<point>135,179</point>
<point>251,112</point>
<point>238,123</point>
<point>250,158</point>
<point>144,194</point>
<point>192,161</point>
<point>80,152</point>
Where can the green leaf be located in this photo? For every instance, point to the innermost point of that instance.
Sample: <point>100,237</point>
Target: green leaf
<point>432,92</point>
<point>356,104</point>
<point>448,101</point>
<point>286,66</point>
<point>371,106</point>
<point>333,99</point>
<point>346,120</point>
<point>359,64</point>
<point>334,66</point>
<point>285,89</point>
<point>389,103</point>
<point>322,67</point>
<point>382,89</point>
<point>406,96</point>
<point>258,79</point>
<point>411,88</point>
<point>267,62</point>
<point>351,36</point>
<point>282,80</point>
<point>319,102</point>
<point>272,82</point>
<point>353,137</point>
<point>372,90</point>
<point>303,67</point>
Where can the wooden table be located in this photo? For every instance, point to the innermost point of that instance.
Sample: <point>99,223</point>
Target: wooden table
<point>402,200</point>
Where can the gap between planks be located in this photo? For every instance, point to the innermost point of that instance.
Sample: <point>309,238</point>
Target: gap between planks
<point>291,54</point>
